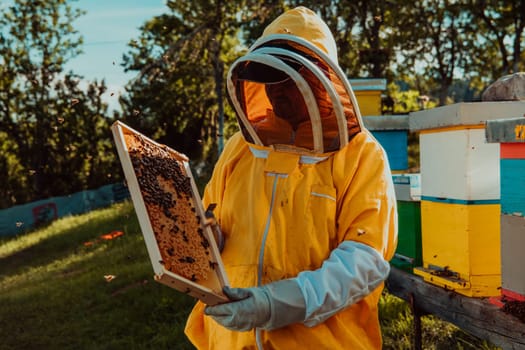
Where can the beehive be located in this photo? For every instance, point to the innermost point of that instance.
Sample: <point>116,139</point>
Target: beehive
<point>368,94</point>
<point>408,194</point>
<point>460,196</point>
<point>180,244</point>
<point>391,131</point>
<point>510,134</point>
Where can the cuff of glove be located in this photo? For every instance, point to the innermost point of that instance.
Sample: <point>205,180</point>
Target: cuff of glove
<point>287,304</point>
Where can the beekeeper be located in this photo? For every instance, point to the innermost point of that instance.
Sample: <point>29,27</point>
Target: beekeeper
<point>305,200</point>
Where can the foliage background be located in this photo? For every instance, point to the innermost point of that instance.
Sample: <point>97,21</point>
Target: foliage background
<point>54,134</point>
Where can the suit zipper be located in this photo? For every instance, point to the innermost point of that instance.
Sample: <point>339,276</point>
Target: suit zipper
<point>263,244</point>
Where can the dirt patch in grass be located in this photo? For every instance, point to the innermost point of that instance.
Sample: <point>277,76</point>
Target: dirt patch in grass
<point>128,287</point>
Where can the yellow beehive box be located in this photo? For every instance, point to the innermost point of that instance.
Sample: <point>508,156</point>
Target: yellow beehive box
<point>460,244</point>
<point>368,94</point>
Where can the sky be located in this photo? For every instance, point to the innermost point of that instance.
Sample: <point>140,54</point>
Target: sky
<point>107,27</point>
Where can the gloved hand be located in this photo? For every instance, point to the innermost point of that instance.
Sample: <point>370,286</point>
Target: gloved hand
<point>268,307</point>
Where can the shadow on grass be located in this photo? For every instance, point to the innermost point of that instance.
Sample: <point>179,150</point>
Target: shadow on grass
<point>70,240</point>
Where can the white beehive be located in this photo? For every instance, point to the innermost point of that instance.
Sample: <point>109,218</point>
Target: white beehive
<point>459,165</point>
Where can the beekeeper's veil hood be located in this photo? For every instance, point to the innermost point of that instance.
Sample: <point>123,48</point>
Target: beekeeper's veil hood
<point>298,48</point>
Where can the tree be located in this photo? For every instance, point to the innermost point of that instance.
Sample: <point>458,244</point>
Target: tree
<point>437,37</point>
<point>375,49</point>
<point>178,95</point>
<point>501,26</point>
<point>359,29</point>
<point>14,178</point>
<point>54,124</point>
<point>82,148</point>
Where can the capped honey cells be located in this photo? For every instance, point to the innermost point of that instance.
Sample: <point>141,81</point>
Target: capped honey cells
<point>167,192</point>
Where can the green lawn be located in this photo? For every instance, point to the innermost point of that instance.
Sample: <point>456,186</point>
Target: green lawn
<point>56,293</point>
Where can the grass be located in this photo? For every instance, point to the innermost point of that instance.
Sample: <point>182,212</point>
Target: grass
<point>54,293</point>
<point>397,324</point>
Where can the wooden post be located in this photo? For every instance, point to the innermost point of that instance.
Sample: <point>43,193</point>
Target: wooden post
<point>418,339</point>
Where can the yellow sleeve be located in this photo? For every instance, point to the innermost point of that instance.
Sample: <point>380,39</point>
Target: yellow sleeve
<point>367,210</point>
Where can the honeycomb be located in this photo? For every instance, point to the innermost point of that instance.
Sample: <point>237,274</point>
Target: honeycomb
<point>167,193</point>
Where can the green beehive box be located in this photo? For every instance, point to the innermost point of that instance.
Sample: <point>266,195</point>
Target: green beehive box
<point>408,253</point>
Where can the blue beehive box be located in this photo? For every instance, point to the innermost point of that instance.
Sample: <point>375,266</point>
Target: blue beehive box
<point>391,131</point>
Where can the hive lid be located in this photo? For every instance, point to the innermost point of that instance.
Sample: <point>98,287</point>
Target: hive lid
<point>386,122</point>
<point>180,243</point>
<point>407,187</point>
<point>368,84</point>
<point>506,130</point>
<point>465,114</point>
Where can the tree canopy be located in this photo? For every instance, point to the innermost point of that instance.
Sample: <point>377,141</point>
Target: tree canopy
<point>55,134</point>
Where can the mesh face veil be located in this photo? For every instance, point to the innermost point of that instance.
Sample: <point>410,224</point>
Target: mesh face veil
<point>290,95</point>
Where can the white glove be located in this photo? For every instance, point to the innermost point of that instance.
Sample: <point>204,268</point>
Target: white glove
<point>271,306</point>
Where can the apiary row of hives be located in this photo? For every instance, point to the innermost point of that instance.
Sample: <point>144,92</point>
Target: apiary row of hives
<point>461,217</point>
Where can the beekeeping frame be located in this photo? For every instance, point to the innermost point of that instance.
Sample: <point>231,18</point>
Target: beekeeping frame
<point>208,290</point>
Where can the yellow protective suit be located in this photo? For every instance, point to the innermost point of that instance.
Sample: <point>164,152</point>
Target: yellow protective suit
<point>284,208</point>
